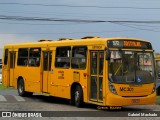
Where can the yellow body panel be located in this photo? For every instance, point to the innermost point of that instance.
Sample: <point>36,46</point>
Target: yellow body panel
<point>5,75</point>
<point>11,74</point>
<point>45,81</point>
<point>31,77</point>
<point>115,100</point>
<point>134,90</point>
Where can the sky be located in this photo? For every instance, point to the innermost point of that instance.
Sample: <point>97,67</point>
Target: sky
<point>32,20</point>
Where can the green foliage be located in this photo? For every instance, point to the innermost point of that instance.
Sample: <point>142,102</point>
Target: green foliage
<point>4,88</point>
<point>158,100</point>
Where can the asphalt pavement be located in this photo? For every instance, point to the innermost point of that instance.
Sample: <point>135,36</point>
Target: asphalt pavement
<point>11,101</point>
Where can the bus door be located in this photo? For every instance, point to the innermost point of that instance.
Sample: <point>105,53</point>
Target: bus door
<point>12,58</point>
<point>96,75</point>
<point>5,69</point>
<point>47,59</point>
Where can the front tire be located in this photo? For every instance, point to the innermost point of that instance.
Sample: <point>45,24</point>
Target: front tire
<point>78,96</point>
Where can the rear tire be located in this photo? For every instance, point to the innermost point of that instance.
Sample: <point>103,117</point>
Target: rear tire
<point>78,96</point>
<point>21,89</point>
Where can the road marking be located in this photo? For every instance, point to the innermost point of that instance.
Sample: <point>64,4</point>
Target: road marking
<point>2,98</point>
<point>18,98</point>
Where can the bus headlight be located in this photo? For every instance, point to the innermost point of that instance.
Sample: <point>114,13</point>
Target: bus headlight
<point>154,88</point>
<point>112,88</point>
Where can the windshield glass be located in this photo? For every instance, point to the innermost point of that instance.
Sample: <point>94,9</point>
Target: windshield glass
<point>131,67</point>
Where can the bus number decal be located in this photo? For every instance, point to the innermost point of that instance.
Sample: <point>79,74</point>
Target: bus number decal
<point>124,89</point>
<point>115,43</point>
<point>97,47</point>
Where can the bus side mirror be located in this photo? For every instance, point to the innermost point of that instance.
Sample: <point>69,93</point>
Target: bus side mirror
<point>108,54</point>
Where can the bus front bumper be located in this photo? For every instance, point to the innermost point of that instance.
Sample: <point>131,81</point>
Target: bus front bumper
<point>115,100</point>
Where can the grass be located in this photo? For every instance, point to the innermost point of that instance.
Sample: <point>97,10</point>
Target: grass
<point>158,100</point>
<point>4,88</point>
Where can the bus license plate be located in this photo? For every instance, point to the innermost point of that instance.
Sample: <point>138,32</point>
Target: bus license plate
<point>135,100</point>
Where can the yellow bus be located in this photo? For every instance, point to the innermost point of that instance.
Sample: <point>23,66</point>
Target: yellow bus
<point>157,64</point>
<point>101,71</point>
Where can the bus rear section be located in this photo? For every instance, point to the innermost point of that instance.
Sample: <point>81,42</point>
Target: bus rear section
<point>131,78</point>
<point>8,66</point>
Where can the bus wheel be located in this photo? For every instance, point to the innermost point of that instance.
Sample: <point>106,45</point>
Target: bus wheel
<point>21,88</point>
<point>78,96</point>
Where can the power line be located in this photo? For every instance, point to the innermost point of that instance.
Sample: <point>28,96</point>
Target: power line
<point>62,13</point>
<point>78,6</point>
<point>41,24</point>
<point>130,26</point>
<point>119,22</point>
<point>136,21</point>
<point>143,25</point>
<point>22,18</point>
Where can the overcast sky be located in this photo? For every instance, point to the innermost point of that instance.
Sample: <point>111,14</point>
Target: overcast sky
<point>19,23</point>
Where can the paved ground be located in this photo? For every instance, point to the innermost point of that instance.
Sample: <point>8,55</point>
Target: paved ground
<point>10,101</point>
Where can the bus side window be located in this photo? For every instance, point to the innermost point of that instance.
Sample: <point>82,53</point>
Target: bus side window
<point>22,57</point>
<point>34,57</point>
<point>6,57</point>
<point>79,55</point>
<point>63,57</point>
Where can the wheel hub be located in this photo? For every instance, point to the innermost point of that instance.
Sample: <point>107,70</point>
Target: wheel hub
<point>76,96</point>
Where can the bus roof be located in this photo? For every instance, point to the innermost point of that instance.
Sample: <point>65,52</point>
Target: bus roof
<point>85,40</point>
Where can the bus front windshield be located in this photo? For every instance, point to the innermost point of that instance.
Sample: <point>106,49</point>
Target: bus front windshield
<point>131,67</point>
